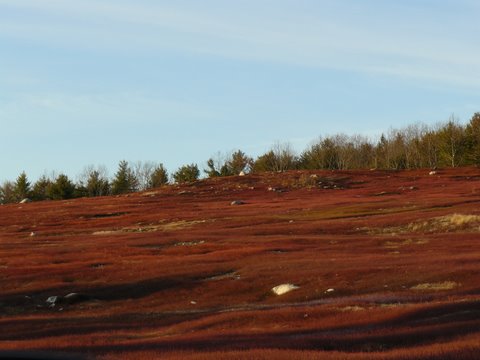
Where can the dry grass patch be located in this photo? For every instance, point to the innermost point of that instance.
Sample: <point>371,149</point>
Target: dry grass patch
<point>354,308</point>
<point>452,222</point>
<point>447,223</point>
<point>446,285</point>
<point>398,244</point>
<point>167,226</point>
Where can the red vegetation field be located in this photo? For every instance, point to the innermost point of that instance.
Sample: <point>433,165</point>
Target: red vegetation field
<point>387,266</point>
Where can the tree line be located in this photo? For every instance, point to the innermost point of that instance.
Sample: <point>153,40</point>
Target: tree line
<point>448,144</point>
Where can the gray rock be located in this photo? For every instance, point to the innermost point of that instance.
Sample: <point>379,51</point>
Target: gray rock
<point>237,202</point>
<point>52,301</point>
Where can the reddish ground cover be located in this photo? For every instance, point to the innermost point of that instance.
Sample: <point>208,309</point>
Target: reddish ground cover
<point>386,263</point>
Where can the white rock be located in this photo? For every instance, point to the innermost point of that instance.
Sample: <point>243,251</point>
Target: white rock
<point>284,288</point>
<point>25,201</point>
<point>432,172</point>
<point>329,290</point>
<point>242,173</point>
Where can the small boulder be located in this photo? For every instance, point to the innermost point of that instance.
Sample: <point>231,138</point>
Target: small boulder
<point>242,173</point>
<point>53,300</point>
<point>25,201</point>
<point>284,288</point>
<point>237,202</point>
<point>433,172</point>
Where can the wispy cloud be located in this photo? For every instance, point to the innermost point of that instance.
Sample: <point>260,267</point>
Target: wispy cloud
<point>412,44</point>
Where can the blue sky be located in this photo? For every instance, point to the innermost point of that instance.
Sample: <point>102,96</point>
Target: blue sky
<point>98,81</point>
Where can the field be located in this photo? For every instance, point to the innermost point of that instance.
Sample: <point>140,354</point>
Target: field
<point>386,265</point>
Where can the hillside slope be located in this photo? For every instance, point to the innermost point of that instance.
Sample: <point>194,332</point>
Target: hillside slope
<point>386,265</point>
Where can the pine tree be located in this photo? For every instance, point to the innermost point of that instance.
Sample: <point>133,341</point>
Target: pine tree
<point>61,189</point>
<point>97,185</point>
<point>125,180</point>
<point>22,188</point>
<point>187,173</point>
<point>41,188</point>
<point>238,162</point>
<point>159,177</point>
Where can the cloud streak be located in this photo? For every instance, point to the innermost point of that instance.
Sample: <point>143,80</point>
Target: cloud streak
<point>408,46</point>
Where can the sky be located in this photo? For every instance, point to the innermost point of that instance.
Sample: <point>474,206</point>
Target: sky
<point>93,82</point>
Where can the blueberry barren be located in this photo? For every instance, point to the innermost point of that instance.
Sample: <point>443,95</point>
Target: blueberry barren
<point>387,266</point>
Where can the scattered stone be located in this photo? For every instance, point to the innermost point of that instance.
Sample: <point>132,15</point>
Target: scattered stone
<point>237,202</point>
<point>32,234</point>
<point>284,288</point>
<point>193,302</point>
<point>69,299</point>
<point>25,201</point>
<point>433,172</point>
<point>329,291</point>
<point>52,301</point>
<point>242,173</point>
<point>279,190</point>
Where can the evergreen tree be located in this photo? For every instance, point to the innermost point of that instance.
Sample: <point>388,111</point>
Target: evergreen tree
<point>41,188</point>
<point>212,170</point>
<point>238,162</point>
<point>97,185</point>
<point>159,177</point>
<point>125,180</point>
<point>61,189</point>
<point>187,173</point>
<point>22,187</point>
